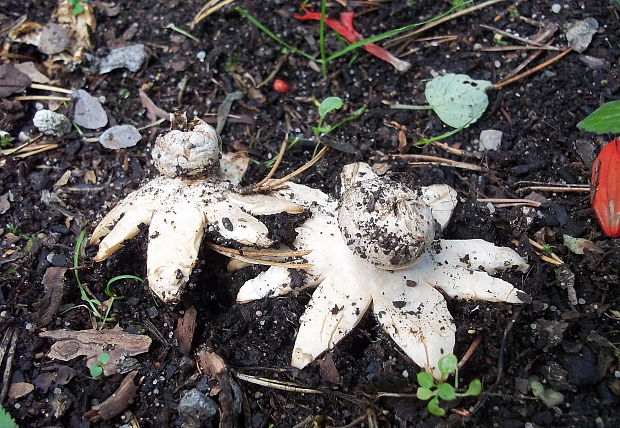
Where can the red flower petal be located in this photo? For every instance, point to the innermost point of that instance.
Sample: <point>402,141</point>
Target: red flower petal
<point>344,27</point>
<point>606,184</point>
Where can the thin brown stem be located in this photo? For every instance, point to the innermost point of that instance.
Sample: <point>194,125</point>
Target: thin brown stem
<point>275,183</point>
<point>276,164</point>
<point>532,70</point>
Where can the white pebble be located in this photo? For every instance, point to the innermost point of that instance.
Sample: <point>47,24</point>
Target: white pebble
<point>556,8</point>
<point>582,301</point>
<point>405,373</point>
<point>498,64</point>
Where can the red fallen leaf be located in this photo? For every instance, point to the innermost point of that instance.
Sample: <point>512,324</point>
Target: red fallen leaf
<point>344,27</point>
<point>606,185</point>
<point>281,86</point>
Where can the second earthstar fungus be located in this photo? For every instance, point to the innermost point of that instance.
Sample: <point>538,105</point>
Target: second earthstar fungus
<point>195,192</point>
<point>376,248</point>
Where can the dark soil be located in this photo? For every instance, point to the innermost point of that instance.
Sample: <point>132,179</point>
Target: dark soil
<point>572,349</point>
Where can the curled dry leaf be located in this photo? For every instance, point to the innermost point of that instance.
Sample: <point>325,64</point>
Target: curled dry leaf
<point>196,192</point>
<point>403,291</point>
<point>54,281</point>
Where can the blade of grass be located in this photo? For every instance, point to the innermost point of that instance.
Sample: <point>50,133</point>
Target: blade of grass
<point>265,30</point>
<point>386,34</point>
<point>93,303</point>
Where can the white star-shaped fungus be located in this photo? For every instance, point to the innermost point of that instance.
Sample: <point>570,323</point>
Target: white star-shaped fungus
<point>377,248</point>
<point>196,191</point>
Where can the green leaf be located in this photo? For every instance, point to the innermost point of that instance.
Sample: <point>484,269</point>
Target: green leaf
<point>605,120</point>
<point>446,391</point>
<point>6,420</point>
<point>457,99</point>
<point>447,364</point>
<point>78,9</point>
<point>425,380</point>
<point>104,358</point>
<point>434,409</point>
<point>329,104</point>
<point>474,388</point>
<point>95,371</point>
<point>424,393</point>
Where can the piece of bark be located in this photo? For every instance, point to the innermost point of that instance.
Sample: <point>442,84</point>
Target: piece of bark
<point>53,281</point>
<point>116,403</point>
<point>184,332</point>
<point>92,343</point>
<point>214,367</point>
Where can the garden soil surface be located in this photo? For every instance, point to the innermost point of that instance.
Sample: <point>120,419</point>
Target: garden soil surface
<point>567,338</point>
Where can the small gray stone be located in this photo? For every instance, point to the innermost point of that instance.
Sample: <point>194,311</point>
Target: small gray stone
<point>198,405</point>
<point>490,139</point>
<point>579,33</point>
<point>120,137</point>
<point>52,123</point>
<point>54,39</point>
<point>88,112</point>
<point>131,57</point>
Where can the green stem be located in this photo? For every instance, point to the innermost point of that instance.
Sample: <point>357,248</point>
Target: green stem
<point>399,106</point>
<point>265,30</point>
<point>386,35</point>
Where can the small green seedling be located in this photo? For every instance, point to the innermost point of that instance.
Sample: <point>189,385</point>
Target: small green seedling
<point>433,391</point>
<point>547,249</point>
<point>6,420</point>
<point>77,6</point>
<point>6,141</point>
<point>124,93</point>
<point>548,396</point>
<point>605,120</point>
<point>96,370</point>
<point>328,105</point>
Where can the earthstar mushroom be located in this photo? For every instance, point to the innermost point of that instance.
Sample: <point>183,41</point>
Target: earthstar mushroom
<point>196,191</point>
<point>356,263</point>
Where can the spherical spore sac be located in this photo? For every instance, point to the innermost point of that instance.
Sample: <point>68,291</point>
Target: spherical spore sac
<point>385,223</point>
<point>188,154</point>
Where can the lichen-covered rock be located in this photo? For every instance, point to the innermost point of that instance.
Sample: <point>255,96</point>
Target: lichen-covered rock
<point>52,123</point>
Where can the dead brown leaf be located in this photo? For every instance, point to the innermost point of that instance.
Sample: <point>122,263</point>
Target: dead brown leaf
<point>328,370</point>
<point>152,111</point>
<point>92,343</point>
<point>115,403</point>
<point>53,281</point>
